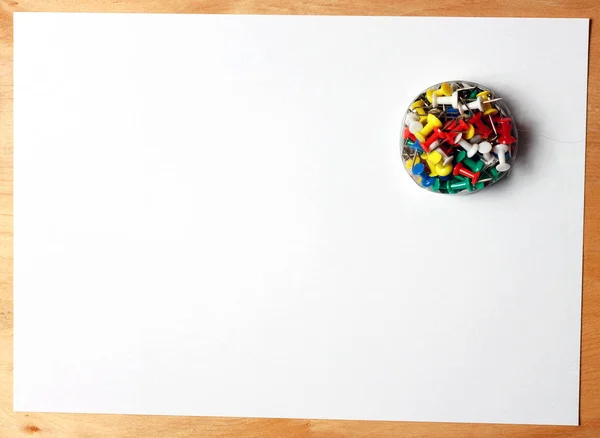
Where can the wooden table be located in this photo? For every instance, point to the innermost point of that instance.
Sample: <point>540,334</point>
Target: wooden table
<point>21,424</point>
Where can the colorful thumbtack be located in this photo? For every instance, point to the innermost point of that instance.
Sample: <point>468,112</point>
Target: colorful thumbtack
<point>455,186</point>
<point>501,150</point>
<point>470,148</point>
<point>444,151</point>
<point>460,169</point>
<point>437,135</point>
<point>480,127</point>
<point>485,147</point>
<point>504,131</point>
<point>432,122</point>
<point>419,170</point>
<point>418,108</point>
<point>475,166</point>
<point>414,145</point>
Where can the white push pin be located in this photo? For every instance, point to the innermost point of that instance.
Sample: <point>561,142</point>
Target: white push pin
<point>485,147</point>
<point>410,117</point>
<point>445,100</point>
<point>476,104</point>
<point>456,138</point>
<point>415,127</point>
<point>500,150</point>
<point>433,146</point>
<point>470,148</point>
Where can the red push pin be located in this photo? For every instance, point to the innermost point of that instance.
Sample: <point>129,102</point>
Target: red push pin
<point>437,135</point>
<point>480,127</point>
<point>460,169</point>
<point>460,126</point>
<point>504,129</point>
<point>408,134</point>
<point>453,138</point>
<point>494,119</point>
<point>448,125</point>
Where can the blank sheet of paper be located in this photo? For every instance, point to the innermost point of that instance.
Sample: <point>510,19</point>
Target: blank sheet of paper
<point>212,218</point>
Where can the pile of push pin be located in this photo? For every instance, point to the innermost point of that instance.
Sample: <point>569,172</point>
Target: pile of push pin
<point>458,137</point>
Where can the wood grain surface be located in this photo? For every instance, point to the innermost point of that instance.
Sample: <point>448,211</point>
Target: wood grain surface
<point>48,425</point>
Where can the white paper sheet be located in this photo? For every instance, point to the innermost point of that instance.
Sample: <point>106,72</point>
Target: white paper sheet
<point>211,218</point>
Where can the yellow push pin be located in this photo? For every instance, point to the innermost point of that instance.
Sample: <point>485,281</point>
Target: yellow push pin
<point>432,122</point>
<point>470,133</point>
<point>484,95</point>
<point>418,107</point>
<point>443,170</point>
<point>429,95</point>
<point>488,110</point>
<point>433,158</point>
<point>444,90</point>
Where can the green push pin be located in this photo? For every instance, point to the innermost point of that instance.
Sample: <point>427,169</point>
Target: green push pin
<point>461,156</point>
<point>492,173</point>
<point>464,184</point>
<point>474,93</point>
<point>479,186</point>
<point>475,166</point>
<point>453,186</point>
<point>436,185</point>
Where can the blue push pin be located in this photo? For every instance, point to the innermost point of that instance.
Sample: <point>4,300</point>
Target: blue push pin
<point>452,112</point>
<point>419,170</point>
<point>415,145</point>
